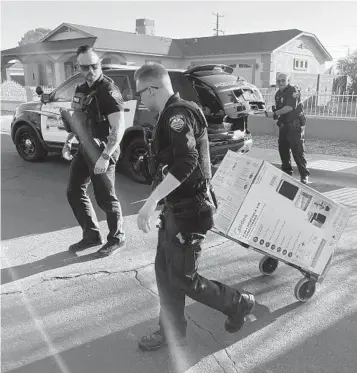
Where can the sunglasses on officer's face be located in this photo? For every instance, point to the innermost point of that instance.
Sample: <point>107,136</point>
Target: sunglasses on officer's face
<point>94,66</point>
<point>139,93</point>
<point>281,81</point>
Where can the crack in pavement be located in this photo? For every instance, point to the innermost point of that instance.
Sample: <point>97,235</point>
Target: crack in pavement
<point>137,278</point>
<point>230,358</point>
<point>136,271</point>
<point>54,278</point>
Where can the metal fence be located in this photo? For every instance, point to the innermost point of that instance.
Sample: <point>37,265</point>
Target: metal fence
<point>321,104</point>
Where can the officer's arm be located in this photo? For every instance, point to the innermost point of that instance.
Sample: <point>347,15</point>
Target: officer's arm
<point>116,133</point>
<point>69,140</point>
<point>290,102</point>
<point>114,107</point>
<point>182,140</point>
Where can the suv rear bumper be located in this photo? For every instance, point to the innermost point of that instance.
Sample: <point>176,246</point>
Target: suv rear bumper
<point>219,149</point>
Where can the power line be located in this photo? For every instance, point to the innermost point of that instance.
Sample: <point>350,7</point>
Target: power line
<point>217,24</point>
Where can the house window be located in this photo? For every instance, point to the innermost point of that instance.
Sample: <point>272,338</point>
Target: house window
<point>300,64</point>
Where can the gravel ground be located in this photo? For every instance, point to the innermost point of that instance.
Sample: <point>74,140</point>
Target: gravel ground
<point>313,146</point>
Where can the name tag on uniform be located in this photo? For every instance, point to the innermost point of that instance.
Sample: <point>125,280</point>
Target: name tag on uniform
<point>78,101</point>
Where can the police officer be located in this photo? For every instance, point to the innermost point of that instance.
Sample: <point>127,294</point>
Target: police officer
<point>181,143</point>
<point>291,122</point>
<point>104,122</point>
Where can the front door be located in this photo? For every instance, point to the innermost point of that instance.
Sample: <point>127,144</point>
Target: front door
<point>51,123</point>
<point>52,126</point>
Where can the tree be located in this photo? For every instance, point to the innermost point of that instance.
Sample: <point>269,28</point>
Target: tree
<point>348,67</point>
<point>34,36</point>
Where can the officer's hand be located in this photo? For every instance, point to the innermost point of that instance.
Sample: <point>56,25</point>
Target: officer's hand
<point>101,166</point>
<point>145,214</point>
<point>66,153</point>
<point>269,114</point>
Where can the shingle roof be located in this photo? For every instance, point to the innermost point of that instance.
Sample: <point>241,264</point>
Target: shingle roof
<point>239,43</point>
<point>115,40</point>
<point>130,42</point>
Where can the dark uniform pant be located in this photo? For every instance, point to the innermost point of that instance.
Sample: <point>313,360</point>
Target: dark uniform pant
<point>176,277</point>
<point>104,190</point>
<point>292,137</point>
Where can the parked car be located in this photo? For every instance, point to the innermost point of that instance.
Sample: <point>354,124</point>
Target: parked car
<point>226,100</point>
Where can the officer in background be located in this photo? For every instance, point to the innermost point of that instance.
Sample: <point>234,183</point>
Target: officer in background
<point>104,122</point>
<point>181,143</point>
<point>291,122</point>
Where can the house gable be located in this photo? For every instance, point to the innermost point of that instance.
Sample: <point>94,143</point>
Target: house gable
<point>307,45</point>
<point>66,31</point>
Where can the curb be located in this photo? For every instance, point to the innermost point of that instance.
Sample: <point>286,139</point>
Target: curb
<point>338,178</point>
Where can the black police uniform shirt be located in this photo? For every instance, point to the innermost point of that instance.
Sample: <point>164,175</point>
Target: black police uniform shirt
<point>175,143</point>
<point>290,96</point>
<point>107,100</point>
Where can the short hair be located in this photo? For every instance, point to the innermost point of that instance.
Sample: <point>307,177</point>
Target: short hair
<point>85,49</point>
<point>283,74</point>
<point>152,71</point>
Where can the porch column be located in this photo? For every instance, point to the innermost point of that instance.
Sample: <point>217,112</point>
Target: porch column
<point>60,75</point>
<point>3,72</point>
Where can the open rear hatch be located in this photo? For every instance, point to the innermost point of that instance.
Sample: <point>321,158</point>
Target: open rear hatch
<point>226,101</point>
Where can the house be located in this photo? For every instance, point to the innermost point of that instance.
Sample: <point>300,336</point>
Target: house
<point>256,56</point>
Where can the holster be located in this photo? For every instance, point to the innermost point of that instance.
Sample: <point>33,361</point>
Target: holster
<point>195,215</point>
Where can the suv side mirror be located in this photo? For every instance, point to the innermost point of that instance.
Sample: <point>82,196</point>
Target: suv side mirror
<point>45,98</point>
<point>39,90</point>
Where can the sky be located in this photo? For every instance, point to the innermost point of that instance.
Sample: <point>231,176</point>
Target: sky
<point>333,22</point>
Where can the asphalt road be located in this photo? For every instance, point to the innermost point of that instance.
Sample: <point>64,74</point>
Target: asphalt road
<point>72,314</point>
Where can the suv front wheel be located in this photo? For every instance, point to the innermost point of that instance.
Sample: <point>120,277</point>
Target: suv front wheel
<point>28,144</point>
<point>136,148</point>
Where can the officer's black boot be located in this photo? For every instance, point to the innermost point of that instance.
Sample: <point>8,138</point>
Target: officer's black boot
<point>237,319</point>
<point>85,244</point>
<point>157,339</point>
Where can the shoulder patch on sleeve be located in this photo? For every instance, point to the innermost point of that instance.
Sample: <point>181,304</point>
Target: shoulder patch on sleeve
<point>115,94</point>
<point>177,122</point>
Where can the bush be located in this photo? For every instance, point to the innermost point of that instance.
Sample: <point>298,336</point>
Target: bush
<point>13,91</point>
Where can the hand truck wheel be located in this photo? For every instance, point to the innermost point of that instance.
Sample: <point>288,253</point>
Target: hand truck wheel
<point>268,265</point>
<point>305,289</point>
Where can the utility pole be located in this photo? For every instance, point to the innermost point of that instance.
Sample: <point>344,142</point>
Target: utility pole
<point>217,24</point>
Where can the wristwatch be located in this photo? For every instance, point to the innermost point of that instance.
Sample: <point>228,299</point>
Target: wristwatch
<point>105,156</point>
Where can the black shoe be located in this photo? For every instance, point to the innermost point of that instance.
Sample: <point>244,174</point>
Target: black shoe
<point>85,244</point>
<point>109,248</point>
<point>236,321</point>
<point>305,180</point>
<point>157,339</point>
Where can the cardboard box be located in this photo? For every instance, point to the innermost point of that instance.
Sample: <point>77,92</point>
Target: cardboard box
<point>274,213</point>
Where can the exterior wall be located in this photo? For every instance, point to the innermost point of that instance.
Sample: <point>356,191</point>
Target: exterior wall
<point>138,60</point>
<point>283,60</point>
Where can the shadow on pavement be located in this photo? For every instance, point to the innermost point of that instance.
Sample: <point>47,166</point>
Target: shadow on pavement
<point>118,352</point>
<point>34,195</point>
<point>54,261</point>
<point>337,344</point>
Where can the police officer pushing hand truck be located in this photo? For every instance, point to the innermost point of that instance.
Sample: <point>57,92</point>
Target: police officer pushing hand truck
<point>180,153</point>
